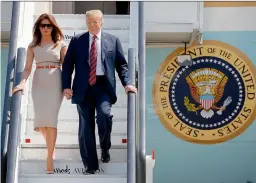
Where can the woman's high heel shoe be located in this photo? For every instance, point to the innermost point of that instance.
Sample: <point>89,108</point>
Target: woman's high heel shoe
<point>49,171</point>
<point>49,165</point>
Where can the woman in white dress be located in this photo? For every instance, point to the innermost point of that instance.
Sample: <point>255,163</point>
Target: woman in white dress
<point>48,49</point>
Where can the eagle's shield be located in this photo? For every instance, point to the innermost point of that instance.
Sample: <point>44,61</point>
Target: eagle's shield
<point>206,101</point>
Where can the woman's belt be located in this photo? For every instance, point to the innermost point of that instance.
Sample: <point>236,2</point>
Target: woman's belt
<point>47,66</point>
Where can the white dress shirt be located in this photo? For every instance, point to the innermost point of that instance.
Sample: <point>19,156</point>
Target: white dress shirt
<point>99,67</point>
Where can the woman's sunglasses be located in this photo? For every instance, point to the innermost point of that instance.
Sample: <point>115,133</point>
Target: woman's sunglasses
<point>46,26</point>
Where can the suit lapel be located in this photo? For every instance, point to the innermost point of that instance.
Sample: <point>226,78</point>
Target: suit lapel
<point>103,46</point>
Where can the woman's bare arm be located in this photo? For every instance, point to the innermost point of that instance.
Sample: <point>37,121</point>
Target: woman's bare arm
<point>29,64</point>
<point>63,52</point>
<point>26,71</point>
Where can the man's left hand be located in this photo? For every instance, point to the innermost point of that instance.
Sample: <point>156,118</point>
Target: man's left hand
<point>130,88</point>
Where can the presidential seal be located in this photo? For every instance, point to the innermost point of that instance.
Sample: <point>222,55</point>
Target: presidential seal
<point>211,101</point>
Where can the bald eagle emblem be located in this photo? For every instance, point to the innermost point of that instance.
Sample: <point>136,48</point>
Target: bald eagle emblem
<point>207,87</point>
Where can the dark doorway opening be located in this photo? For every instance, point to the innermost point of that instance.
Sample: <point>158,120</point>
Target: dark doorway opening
<point>107,7</point>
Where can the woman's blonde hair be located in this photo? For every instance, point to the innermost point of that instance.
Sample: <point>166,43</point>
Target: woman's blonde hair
<point>56,35</point>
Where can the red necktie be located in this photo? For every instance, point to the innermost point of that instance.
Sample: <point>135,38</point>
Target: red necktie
<point>93,62</point>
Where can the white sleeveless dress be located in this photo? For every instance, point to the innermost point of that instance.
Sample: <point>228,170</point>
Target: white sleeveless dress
<point>47,93</point>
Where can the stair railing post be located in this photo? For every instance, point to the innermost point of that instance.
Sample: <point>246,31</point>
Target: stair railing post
<point>15,122</point>
<point>142,96</point>
<point>131,122</point>
<point>8,87</point>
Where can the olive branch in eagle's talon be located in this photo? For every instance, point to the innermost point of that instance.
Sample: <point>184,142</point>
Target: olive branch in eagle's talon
<point>191,107</point>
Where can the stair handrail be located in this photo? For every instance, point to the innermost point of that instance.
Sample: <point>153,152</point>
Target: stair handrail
<point>131,121</point>
<point>15,122</point>
<point>8,85</point>
<point>141,142</point>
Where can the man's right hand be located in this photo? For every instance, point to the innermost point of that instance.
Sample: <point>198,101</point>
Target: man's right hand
<point>68,93</point>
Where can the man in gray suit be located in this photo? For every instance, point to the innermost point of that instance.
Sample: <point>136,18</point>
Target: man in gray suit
<point>94,55</point>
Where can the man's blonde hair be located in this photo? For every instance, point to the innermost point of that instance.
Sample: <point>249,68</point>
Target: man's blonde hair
<point>93,13</point>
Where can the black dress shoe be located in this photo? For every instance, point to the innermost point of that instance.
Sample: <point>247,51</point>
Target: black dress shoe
<point>105,156</point>
<point>88,171</point>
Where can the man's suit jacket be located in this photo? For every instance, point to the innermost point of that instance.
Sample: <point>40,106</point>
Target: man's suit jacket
<point>77,58</point>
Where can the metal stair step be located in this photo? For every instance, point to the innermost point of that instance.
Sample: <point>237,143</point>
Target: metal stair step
<point>96,178</point>
<point>117,155</point>
<point>72,127</point>
<point>70,167</point>
<point>70,139</point>
<point>65,146</point>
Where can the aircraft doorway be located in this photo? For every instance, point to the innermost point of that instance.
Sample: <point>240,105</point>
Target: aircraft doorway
<point>107,7</point>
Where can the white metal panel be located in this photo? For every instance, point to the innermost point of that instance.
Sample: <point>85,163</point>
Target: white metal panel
<point>171,12</point>
<point>229,19</point>
<point>150,164</point>
<point>172,22</point>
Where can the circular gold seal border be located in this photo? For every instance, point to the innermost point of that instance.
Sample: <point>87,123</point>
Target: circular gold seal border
<point>157,78</point>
